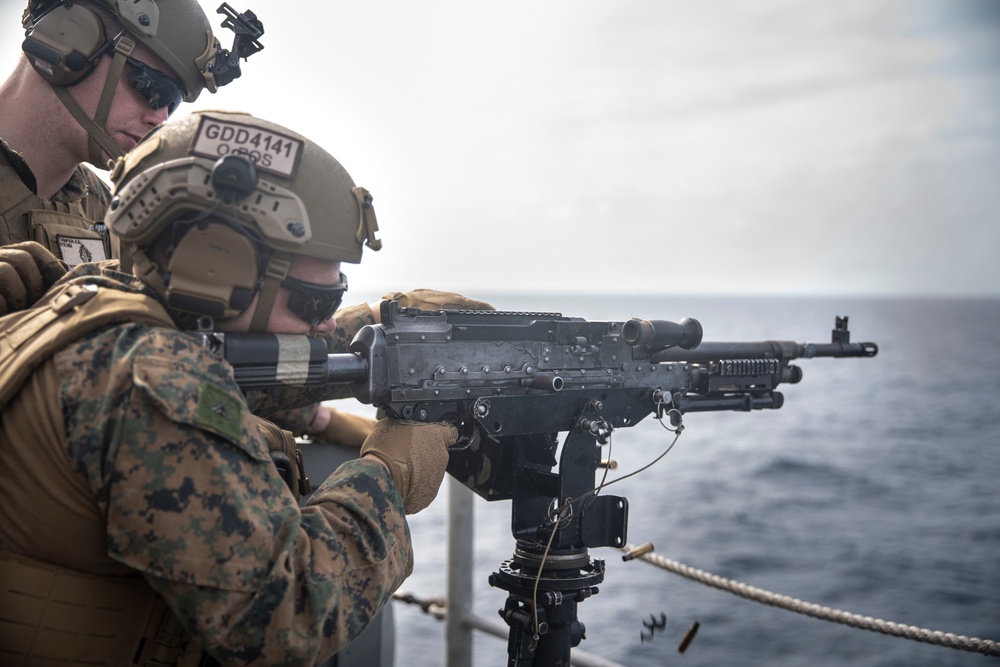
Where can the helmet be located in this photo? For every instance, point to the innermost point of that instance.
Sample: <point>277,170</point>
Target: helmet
<point>216,203</point>
<point>181,36</point>
<point>65,40</point>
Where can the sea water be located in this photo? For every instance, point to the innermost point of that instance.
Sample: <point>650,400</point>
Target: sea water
<point>874,490</point>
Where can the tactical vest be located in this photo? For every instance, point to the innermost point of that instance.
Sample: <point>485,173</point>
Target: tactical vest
<point>55,615</point>
<point>72,229</point>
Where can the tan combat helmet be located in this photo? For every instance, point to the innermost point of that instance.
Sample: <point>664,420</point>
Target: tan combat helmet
<point>64,42</point>
<point>216,203</point>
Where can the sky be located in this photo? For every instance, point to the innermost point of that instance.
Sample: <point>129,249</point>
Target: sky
<point>739,147</point>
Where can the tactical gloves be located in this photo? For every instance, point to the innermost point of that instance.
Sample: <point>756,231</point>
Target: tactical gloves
<point>344,429</point>
<point>416,454</point>
<point>428,299</point>
<point>27,271</point>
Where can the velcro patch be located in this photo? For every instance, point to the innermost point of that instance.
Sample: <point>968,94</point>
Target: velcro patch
<point>79,251</point>
<point>269,151</point>
<point>219,411</point>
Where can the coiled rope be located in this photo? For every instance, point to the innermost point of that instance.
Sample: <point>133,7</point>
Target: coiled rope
<point>947,639</point>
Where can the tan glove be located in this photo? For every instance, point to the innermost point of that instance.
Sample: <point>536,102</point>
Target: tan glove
<point>27,271</point>
<point>416,454</point>
<point>428,299</point>
<point>344,429</point>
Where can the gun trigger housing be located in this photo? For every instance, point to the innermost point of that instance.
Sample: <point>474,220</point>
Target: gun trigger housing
<point>468,435</point>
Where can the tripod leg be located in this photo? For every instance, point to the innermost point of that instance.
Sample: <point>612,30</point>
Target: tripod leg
<point>521,642</point>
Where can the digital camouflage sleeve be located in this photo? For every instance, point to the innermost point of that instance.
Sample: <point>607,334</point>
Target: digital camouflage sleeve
<point>192,500</point>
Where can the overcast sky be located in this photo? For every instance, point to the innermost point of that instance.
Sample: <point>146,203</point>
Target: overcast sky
<point>660,146</point>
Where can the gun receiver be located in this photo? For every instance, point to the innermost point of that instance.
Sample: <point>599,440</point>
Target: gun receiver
<point>512,382</point>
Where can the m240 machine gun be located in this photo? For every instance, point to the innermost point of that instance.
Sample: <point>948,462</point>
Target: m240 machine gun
<point>512,382</point>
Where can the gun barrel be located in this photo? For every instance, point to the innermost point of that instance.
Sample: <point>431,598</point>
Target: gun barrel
<point>270,360</point>
<point>841,350</point>
<point>267,360</point>
<point>768,349</point>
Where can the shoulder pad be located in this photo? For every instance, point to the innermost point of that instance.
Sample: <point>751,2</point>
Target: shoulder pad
<point>176,377</point>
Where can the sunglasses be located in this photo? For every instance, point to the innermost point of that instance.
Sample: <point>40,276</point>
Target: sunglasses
<point>314,303</point>
<point>156,87</point>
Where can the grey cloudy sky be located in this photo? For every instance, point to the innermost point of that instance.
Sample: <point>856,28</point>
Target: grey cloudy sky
<point>738,147</point>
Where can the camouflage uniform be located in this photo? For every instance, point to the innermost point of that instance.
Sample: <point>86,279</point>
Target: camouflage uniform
<point>151,463</point>
<point>64,224</point>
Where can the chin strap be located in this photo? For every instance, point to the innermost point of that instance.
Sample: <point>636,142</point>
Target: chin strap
<point>145,270</point>
<point>277,269</point>
<point>100,141</point>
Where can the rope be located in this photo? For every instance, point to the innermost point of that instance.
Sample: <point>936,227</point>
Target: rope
<point>947,639</point>
<point>436,606</point>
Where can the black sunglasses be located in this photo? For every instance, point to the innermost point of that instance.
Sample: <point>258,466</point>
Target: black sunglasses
<point>156,87</point>
<point>314,303</point>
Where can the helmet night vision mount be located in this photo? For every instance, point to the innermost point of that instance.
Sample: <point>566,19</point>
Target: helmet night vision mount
<point>248,29</point>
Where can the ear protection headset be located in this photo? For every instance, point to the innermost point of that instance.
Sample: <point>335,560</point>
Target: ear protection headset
<point>215,267</point>
<point>213,270</point>
<point>65,44</point>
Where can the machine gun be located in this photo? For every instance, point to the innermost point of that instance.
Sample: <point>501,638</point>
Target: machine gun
<point>512,382</point>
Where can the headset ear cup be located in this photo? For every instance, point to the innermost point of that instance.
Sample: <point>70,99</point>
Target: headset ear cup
<point>213,271</point>
<point>62,44</point>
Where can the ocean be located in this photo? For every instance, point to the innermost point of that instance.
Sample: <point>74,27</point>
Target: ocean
<point>873,490</point>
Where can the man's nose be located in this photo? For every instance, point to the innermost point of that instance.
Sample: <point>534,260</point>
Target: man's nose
<point>154,117</point>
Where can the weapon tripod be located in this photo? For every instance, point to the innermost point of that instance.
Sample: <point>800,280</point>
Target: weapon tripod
<point>556,517</point>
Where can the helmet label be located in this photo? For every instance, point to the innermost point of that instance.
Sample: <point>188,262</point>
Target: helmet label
<point>270,151</point>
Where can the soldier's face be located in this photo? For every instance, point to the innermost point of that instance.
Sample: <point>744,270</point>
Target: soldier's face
<point>282,319</point>
<point>130,116</point>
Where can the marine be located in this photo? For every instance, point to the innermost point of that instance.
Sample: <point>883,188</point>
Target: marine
<point>93,78</point>
<point>164,518</point>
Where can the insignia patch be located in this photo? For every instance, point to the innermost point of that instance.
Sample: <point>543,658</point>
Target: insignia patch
<point>219,411</point>
<point>270,151</point>
<point>79,251</point>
